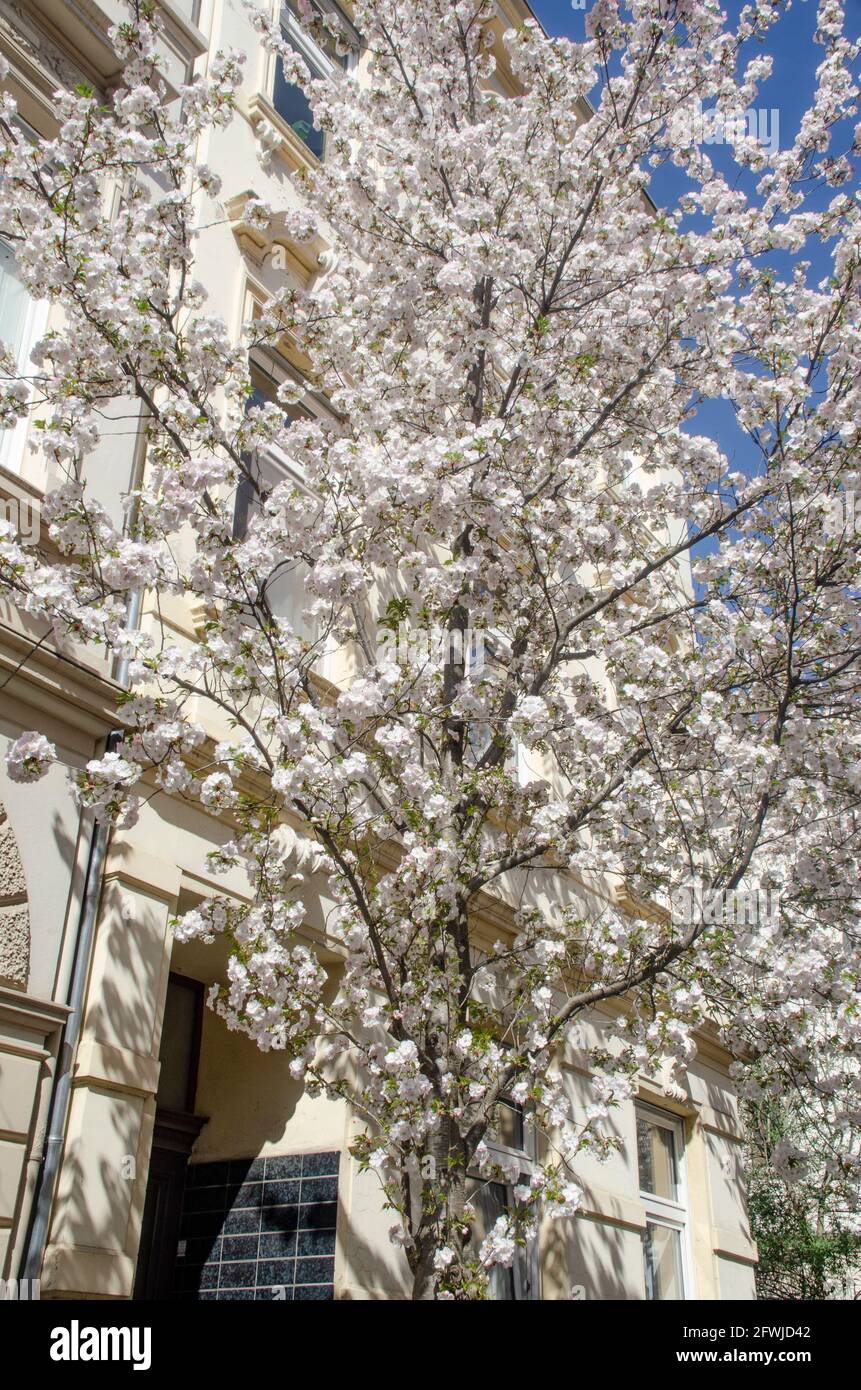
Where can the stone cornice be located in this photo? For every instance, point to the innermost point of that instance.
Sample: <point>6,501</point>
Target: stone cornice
<point>58,684</point>
<point>43,1016</point>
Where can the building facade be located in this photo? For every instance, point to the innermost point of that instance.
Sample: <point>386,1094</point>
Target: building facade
<point>145,1150</point>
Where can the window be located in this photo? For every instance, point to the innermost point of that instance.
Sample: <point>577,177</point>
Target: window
<point>507,1130</point>
<point>284,589</point>
<point>323,58</point>
<point>190,8</point>
<point>22,322</point>
<point>660,1160</point>
<point>508,1137</point>
<point>179,1052</point>
<point>490,673</point>
<point>264,467</point>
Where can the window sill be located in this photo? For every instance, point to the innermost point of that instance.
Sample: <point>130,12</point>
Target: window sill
<point>275,134</point>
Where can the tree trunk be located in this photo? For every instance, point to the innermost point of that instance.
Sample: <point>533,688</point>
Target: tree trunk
<point>425,1276</point>
<point>447,1208</point>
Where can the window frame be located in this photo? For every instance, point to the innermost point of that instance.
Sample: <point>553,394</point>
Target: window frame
<point>13,439</point>
<point>318,60</point>
<point>266,366</point>
<point>478,744</point>
<point>268,363</point>
<point>664,1211</point>
<point>197,989</point>
<point>527,1158</point>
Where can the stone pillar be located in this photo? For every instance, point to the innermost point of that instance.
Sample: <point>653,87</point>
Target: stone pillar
<point>95,1230</point>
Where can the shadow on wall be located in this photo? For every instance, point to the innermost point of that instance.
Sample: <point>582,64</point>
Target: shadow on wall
<point>282,1204</point>
<point>725,1159</point>
<point>587,1260</point>
<point>100,1160</point>
<point>36,889</point>
<point>92,1210</point>
<point>252,1102</point>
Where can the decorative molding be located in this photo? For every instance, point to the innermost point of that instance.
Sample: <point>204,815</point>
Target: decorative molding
<point>276,136</point>
<point>130,866</point>
<point>112,1068</point>
<point>56,683</point>
<point>82,27</point>
<point>306,259</point>
<point>611,1208</point>
<point>730,1245</point>
<point>177,1130</point>
<point>34,1021</point>
<point>33,49</point>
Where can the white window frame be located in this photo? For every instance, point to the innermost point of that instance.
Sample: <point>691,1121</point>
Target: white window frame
<point>318,60</point>
<point>316,57</point>
<point>526,1157</point>
<point>271,364</point>
<point>13,440</point>
<point>663,1211</point>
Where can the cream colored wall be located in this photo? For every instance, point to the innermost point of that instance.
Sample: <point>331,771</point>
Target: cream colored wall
<point>44,821</point>
<point>96,1227</point>
<point>602,1244</point>
<point>29,1035</point>
<point>94,1234</point>
<point>367,1265</point>
<point>255,1108</point>
<point>589,1257</point>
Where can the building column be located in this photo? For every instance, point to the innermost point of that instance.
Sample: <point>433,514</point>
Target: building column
<point>95,1228</point>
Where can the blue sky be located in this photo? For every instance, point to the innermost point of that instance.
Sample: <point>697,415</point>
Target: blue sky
<point>789,92</point>
<point>796,57</point>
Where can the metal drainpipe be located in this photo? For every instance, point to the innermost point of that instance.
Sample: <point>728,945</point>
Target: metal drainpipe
<point>58,1112</point>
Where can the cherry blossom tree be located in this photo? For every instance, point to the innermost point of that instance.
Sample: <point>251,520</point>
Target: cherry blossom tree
<point>804,1225</point>
<point>647,677</point>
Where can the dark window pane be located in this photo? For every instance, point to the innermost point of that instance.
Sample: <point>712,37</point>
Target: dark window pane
<point>506,1126</point>
<point>656,1157</point>
<point>489,1201</point>
<point>293,107</point>
<point>662,1257</point>
<point>251,488</point>
<point>180,1043</point>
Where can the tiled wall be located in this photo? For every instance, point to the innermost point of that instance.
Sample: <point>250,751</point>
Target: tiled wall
<point>260,1228</point>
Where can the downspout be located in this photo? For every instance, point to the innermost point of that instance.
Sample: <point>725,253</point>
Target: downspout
<point>61,1094</point>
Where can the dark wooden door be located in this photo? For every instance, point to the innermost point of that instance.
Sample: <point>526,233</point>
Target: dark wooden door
<point>160,1226</point>
<point>176,1128</point>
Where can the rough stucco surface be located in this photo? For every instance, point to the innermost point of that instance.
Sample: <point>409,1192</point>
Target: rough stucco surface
<point>12,883</point>
<point>14,917</point>
<point>14,945</point>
